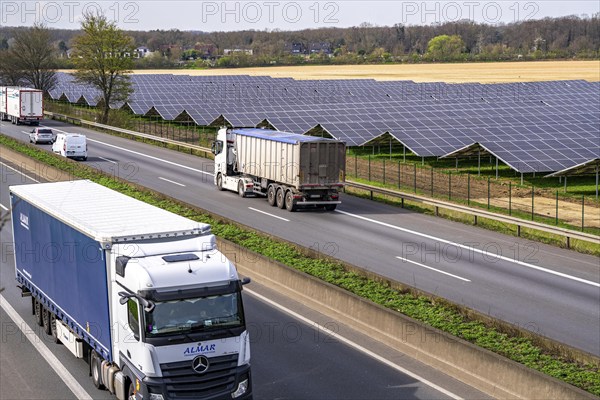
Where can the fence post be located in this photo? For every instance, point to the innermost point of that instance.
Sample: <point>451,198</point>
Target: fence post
<point>449,185</point>
<point>384,171</point>
<point>532,200</point>
<point>488,196</point>
<point>415,177</point>
<point>468,188</point>
<point>582,211</point>
<point>355,166</point>
<point>509,198</point>
<point>432,181</point>
<point>369,168</point>
<point>556,219</point>
<point>398,174</point>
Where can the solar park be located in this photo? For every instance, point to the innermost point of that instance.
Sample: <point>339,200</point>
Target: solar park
<point>539,127</point>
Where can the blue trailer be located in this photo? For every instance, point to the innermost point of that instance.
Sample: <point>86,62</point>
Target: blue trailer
<point>134,289</point>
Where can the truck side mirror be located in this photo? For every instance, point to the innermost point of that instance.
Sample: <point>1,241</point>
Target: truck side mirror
<point>246,281</point>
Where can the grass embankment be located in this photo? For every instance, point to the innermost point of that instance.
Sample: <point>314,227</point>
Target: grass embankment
<point>437,314</point>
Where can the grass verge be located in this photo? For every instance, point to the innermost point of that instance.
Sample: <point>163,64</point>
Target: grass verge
<point>438,314</point>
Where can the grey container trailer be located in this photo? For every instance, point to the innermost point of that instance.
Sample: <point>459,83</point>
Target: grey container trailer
<point>292,170</point>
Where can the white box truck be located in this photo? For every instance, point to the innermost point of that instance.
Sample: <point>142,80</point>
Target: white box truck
<point>141,293</point>
<point>21,105</point>
<point>291,170</point>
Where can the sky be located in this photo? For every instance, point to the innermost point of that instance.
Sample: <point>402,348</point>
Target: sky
<point>212,16</point>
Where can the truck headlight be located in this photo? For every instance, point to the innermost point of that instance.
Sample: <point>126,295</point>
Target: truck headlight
<point>241,389</point>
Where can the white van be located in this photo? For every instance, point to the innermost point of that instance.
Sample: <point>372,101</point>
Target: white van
<point>71,145</point>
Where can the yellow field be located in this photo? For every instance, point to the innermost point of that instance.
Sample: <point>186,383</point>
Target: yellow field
<point>524,71</point>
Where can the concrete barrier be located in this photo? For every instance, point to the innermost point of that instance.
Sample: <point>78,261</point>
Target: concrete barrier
<point>486,371</point>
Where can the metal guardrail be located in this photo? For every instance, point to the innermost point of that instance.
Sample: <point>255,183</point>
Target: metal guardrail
<point>77,121</point>
<point>437,204</point>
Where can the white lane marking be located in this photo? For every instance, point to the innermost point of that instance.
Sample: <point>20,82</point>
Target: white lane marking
<point>433,269</point>
<point>473,249</point>
<point>2,206</point>
<point>27,133</point>
<point>354,345</point>
<point>106,159</point>
<point>151,157</point>
<point>270,215</point>
<point>170,181</point>
<point>19,172</point>
<point>38,344</point>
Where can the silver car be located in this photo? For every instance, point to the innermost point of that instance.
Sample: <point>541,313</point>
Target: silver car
<point>41,135</point>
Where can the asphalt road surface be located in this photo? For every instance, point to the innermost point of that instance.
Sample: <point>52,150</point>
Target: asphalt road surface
<point>292,358</point>
<point>554,292</point>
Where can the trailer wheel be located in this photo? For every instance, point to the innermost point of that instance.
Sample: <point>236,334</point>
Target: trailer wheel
<point>241,189</point>
<point>32,305</point>
<point>46,321</point>
<point>290,203</point>
<point>271,195</point>
<point>38,313</point>
<point>330,207</point>
<point>96,370</point>
<point>280,198</point>
<point>220,182</point>
<point>54,332</point>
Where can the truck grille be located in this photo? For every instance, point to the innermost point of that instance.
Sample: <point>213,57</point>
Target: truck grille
<point>182,382</point>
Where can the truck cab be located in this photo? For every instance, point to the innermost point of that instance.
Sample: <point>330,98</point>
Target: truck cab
<point>181,321</point>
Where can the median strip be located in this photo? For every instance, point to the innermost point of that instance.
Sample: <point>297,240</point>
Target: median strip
<point>434,312</point>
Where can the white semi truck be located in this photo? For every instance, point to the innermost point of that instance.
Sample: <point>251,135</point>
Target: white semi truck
<point>21,105</point>
<point>141,293</point>
<point>291,170</point>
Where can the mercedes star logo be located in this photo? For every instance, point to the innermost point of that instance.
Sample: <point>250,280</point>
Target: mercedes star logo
<point>200,364</point>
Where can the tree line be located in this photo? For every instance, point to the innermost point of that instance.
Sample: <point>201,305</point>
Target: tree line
<point>549,38</point>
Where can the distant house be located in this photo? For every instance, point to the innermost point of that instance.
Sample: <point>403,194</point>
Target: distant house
<point>231,51</point>
<point>295,48</point>
<point>141,52</point>
<point>323,47</point>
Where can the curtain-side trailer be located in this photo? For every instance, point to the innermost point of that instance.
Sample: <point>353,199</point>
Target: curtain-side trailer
<point>291,170</point>
<point>141,293</point>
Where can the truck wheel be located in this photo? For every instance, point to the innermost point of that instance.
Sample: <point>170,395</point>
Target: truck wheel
<point>46,321</point>
<point>271,196</point>
<point>330,207</point>
<point>241,189</point>
<point>220,182</point>
<point>32,305</point>
<point>280,198</point>
<point>96,370</point>
<point>290,203</point>
<point>54,332</point>
<point>38,313</point>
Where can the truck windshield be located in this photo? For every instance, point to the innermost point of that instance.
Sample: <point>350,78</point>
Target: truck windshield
<point>194,315</point>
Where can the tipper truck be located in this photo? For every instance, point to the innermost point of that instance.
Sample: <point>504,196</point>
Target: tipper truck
<point>21,105</point>
<point>141,293</point>
<point>291,170</point>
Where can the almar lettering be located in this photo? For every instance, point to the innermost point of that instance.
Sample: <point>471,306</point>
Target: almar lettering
<point>200,349</point>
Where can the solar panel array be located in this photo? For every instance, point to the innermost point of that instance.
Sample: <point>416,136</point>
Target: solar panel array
<point>538,126</point>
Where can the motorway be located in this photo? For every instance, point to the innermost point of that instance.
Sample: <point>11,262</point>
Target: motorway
<point>554,292</point>
<point>292,358</point>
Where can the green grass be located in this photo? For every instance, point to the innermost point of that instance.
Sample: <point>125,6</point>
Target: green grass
<point>436,313</point>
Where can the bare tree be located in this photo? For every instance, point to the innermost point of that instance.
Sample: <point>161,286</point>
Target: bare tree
<point>102,56</point>
<point>30,59</point>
